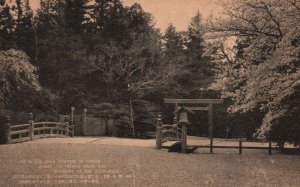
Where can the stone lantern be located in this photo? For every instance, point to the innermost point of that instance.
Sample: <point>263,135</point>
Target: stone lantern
<point>183,119</point>
<point>182,115</point>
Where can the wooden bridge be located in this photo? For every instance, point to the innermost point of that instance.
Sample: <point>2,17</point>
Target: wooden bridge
<point>35,130</point>
<point>171,133</point>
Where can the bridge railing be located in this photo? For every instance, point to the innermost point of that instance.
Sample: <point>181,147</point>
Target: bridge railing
<point>167,132</point>
<point>170,133</point>
<point>35,130</point>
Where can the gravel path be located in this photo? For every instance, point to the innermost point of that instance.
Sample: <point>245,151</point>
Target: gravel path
<point>125,162</point>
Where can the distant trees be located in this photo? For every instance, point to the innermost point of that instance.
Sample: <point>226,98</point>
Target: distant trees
<point>261,71</point>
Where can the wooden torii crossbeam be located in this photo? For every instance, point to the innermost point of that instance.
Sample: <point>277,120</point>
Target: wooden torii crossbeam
<point>208,108</point>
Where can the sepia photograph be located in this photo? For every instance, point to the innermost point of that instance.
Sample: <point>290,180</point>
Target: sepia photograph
<point>138,93</point>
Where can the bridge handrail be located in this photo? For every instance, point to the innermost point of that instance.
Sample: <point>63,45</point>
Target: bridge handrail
<point>170,133</point>
<point>34,130</point>
<point>49,123</point>
<point>18,126</point>
<point>167,126</point>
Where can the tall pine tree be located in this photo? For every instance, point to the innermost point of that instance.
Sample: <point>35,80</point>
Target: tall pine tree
<point>25,31</point>
<point>199,66</point>
<point>173,42</point>
<point>7,26</point>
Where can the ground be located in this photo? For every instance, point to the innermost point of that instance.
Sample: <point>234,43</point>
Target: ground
<point>126,162</point>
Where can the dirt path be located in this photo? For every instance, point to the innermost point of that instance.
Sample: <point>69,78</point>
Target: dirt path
<point>123,162</point>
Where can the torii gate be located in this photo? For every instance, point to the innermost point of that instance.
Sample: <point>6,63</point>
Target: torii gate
<point>208,108</point>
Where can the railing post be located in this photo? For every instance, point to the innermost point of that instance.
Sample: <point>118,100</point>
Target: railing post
<point>176,123</point>
<point>183,137</point>
<point>159,133</point>
<point>72,131</point>
<point>31,125</point>
<point>210,121</point>
<point>3,131</point>
<point>72,113</point>
<point>71,124</point>
<point>67,126</point>
<point>240,146</point>
<point>211,145</point>
<point>56,130</point>
<point>44,129</point>
<point>270,145</point>
<point>7,131</point>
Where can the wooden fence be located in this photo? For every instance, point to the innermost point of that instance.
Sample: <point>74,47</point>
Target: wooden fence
<point>176,133</point>
<point>240,146</point>
<point>35,130</point>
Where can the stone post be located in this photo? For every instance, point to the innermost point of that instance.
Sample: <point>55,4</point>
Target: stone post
<point>67,125</point>
<point>240,146</point>
<point>159,133</point>
<point>211,146</point>
<point>3,137</point>
<point>72,132</point>
<point>210,123</point>
<point>175,122</point>
<point>72,116</point>
<point>7,130</point>
<point>183,137</point>
<point>270,145</point>
<point>31,125</point>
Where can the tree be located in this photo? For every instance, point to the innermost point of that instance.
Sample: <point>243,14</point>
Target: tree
<point>195,41</point>
<point>133,72</point>
<point>138,21</point>
<point>74,15</point>
<point>173,42</point>
<point>119,113</point>
<point>196,73</point>
<point>24,32</point>
<point>139,68</point>
<point>7,26</point>
<point>108,23</point>
<point>49,40</point>
<point>16,26</point>
<point>60,42</point>
<point>16,74</point>
<point>263,72</point>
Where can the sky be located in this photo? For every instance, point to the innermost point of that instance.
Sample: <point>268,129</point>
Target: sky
<point>177,12</point>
